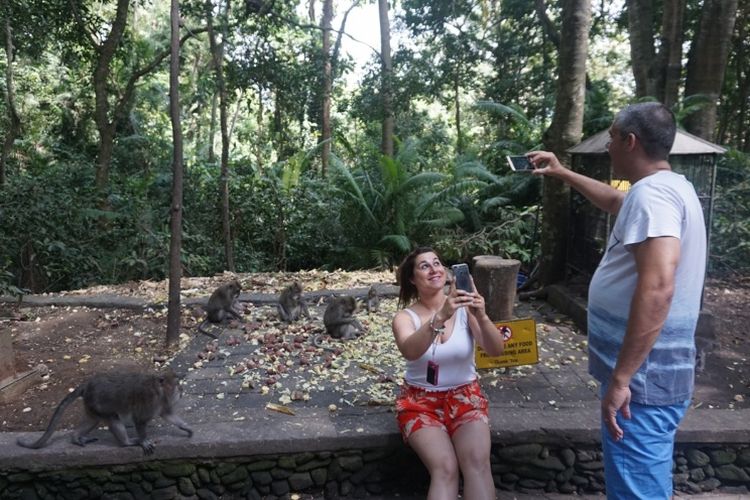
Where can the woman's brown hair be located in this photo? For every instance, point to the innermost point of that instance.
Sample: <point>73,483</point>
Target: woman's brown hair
<point>408,292</point>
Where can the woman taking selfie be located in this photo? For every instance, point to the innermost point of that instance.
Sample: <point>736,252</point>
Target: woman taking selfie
<point>442,412</point>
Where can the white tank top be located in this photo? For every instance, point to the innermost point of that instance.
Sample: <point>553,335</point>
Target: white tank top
<point>455,357</point>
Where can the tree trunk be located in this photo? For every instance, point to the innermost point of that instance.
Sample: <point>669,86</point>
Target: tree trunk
<point>669,60</point>
<point>211,158</point>
<point>742,75</point>
<point>640,16</point>
<point>388,126</point>
<point>707,63</point>
<point>564,132</point>
<point>457,107</point>
<point>327,85</point>
<point>259,135</point>
<point>217,53</point>
<point>104,123</point>
<point>175,242</point>
<point>14,122</point>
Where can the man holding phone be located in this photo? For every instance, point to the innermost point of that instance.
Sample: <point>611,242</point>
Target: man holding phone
<point>644,299</point>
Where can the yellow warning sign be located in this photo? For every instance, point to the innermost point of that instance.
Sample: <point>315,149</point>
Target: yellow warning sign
<point>520,345</point>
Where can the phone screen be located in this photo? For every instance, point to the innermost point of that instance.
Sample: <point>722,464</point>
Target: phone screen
<point>519,163</point>
<point>461,275</point>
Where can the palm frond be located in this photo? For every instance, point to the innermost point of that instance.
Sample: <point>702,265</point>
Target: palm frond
<point>501,109</point>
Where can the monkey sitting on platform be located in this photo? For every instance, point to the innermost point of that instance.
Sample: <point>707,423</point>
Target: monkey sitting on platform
<point>221,306</point>
<point>291,306</point>
<point>339,320</point>
<point>115,396</point>
<point>372,302</point>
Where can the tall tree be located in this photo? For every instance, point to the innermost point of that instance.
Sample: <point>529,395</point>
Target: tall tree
<point>175,243</point>
<point>734,126</point>
<point>217,54</point>
<point>564,132</point>
<point>109,110</point>
<point>386,144</point>
<point>707,62</point>
<point>106,122</point>
<point>454,61</point>
<point>657,74</point>
<point>13,120</point>
<point>327,84</point>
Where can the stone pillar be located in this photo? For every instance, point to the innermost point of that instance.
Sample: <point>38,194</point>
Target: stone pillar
<point>495,279</point>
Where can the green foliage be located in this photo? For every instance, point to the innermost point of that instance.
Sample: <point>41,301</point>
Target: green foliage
<point>389,205</point>
<point>492,61</point>
<point>7,288</point>
<point>511,235</point>
<point>55,232</point>
<point>730,236</point>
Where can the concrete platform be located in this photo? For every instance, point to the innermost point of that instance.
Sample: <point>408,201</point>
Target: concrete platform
<point>554,401</point>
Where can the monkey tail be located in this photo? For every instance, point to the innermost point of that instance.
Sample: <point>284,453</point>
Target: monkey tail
<point>53,421</point>
<point>202,329</point>
<point>316,343</point>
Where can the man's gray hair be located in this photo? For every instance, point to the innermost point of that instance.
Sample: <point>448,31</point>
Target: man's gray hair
<point>652,123</point>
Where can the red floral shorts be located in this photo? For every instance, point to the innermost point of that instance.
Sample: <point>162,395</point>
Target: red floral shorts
<point>448,410</point>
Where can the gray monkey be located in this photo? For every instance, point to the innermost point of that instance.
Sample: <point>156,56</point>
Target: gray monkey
<point>291,305</point>
<point>221,305</point>
<point>115,396</point>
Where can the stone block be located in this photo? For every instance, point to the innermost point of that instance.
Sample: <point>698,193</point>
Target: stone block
<point>722,457</point>
<point>697,458</point>
<point>261,477</point>
<point>186,487</point>
<point>697,475</point>
<point>178,470</point>
<point>731,472</point>
<point>206,494</point>
<point>351,463</point>
<point>165,493</point>
<point>280,488</point>
<point>319,476</point>
<point>239,475</point>
<point>301,481</point>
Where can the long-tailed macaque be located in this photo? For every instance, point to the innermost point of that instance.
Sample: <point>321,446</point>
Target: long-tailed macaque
<point>221,305</point>
<point>372,302</point>
<point>115,396</point>
<point>339,318</point>
<point>291,306</point>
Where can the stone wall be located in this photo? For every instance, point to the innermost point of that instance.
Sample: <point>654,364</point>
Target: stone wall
<point>529,468</point>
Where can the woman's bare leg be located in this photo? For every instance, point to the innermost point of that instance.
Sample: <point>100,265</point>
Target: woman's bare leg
<point>472,445</point>
<point>435,449</point>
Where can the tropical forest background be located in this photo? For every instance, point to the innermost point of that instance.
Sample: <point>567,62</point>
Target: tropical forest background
<point>296,155</point>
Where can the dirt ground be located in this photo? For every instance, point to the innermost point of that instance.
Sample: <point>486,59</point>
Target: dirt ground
<point>74,342</point>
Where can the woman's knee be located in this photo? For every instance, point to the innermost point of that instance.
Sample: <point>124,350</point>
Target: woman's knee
<point>476,460</point>
<point>445,467</point>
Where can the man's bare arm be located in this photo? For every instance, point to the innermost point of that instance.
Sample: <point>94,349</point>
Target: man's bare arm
<point>600,194</point>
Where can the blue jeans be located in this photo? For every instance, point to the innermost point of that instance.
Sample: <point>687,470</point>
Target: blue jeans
<point>639,466</point>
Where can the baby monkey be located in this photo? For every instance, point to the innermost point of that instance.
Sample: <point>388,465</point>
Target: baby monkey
<point>291,306</point>
<point>115,396</point>
<point>221,305</point>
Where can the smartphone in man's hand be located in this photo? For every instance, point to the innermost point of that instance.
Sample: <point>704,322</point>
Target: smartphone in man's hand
<point>462,277</point>
<point>519,163</point>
